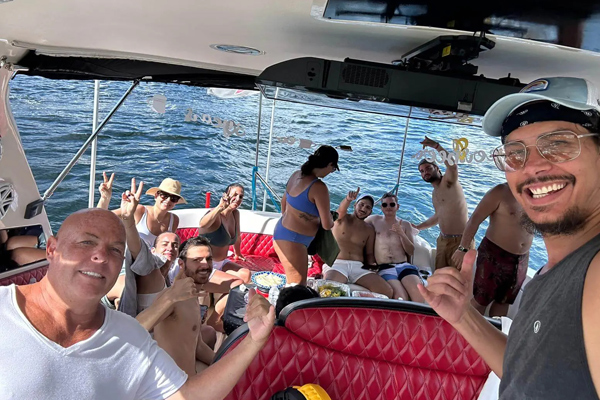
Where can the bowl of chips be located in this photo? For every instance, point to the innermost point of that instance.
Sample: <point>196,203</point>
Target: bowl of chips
<point>265,280</point>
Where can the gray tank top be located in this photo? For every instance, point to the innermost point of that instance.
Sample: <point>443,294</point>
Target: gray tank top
<point>545,355</point>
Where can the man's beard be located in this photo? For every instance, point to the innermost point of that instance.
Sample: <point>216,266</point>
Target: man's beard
<point>361,218</point>
<point>570,223</point>
<point>433,178</point>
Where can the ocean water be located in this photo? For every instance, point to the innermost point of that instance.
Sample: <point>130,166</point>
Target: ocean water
<point>55,118</point>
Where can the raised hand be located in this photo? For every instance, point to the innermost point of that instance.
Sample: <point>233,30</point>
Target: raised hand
<point>449,291</point>
<point>260,316</point>
<point>105,187</point>
<point>429,143</point>
<point>130,199</point>
<point>225,201</point>
<point>396,228</point>
<point>353,194</point>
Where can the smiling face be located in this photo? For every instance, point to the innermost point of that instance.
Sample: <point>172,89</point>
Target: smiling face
<point>165,201</point>
<point>198,263</point>
<point>86,255</point>
<point>556,198</point>
<point>167,244</point>
<point>236,196</point>
<point>363,208</point>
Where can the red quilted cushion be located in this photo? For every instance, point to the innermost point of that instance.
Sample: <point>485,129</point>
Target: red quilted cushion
<point>260,263</point>
<point>256,244</point>
<point>25,278</point>
<point>186,233</point>
<point>411,356</point>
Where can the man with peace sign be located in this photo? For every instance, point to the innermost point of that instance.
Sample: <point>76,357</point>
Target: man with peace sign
<point>356,240</point>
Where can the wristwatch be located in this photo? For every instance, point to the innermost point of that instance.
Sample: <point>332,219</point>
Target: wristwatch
<point>463,249</point>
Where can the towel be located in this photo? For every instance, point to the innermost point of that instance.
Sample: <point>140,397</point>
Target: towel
<point>325,245</point>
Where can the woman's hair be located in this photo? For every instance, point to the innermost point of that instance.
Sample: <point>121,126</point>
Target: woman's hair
<point>321,158</point>
<point>233,185</point>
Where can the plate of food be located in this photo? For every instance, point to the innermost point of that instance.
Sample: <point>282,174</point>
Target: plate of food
<point>327,288</point>
<point>264,280</point>
<point>363,293</point>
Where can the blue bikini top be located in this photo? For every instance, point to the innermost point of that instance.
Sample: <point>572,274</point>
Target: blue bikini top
<point>302,203</point>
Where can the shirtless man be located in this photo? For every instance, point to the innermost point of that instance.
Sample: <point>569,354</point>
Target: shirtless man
<point>449,204</point>
<point>503,254</point>
<point>175,316</point>
<point>356,240</point>
<point>394,243</point>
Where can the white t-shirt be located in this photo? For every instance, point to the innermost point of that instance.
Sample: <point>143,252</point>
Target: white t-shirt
<point>119,361</point>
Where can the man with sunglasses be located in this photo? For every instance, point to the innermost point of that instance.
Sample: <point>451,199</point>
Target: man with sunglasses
<point>356,240</point>
<point>394,244</point>
<point>449,204</point>
<point>550,153</point>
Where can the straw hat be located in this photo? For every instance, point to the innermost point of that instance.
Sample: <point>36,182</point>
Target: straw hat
<point>170,186</point>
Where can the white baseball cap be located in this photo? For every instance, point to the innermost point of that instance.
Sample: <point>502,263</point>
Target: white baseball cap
<point>575,93</point>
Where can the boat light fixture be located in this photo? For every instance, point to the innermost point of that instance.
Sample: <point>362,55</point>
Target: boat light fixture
<point>244,50</point>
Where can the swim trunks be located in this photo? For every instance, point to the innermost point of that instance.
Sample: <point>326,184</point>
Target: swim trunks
<point>499,274</point>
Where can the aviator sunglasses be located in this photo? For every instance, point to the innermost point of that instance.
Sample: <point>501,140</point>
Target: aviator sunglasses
<point>384,205</point>
<point>172,197</point>
<point>556,147</point>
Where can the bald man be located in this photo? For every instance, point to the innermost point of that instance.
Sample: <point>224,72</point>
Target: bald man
<point>58,341</point>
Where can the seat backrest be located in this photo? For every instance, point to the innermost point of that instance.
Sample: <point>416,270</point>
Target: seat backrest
<point>25,277</point>
<point>253,244</point>
<point>362,349</point>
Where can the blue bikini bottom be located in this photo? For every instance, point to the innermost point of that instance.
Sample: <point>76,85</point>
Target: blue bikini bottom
<point>283,233</point>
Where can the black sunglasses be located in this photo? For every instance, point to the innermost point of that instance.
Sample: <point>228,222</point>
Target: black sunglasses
<point>384,205</point>
<point>174,198</point>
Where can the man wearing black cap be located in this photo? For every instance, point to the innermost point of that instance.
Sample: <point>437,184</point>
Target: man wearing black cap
<point>356,240</point>
<point>551,157</point>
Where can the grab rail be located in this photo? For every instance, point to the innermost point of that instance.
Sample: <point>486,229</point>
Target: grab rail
<point>268,190</point>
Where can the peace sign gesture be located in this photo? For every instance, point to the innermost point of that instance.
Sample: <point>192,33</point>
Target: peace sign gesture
<point>106,186</point>
<point>130,199</point>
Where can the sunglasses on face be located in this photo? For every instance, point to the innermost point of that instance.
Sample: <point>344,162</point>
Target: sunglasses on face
<point>172,197</point>
<point>556,147</point>
<point>384,205</point>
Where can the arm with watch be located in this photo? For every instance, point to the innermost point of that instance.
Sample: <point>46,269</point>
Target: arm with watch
<point>486,207</point>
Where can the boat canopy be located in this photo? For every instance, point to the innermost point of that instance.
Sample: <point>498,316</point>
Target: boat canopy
<point>226,42</point>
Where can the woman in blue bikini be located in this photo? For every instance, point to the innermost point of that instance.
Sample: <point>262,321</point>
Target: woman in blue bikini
<point>304,206</point>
